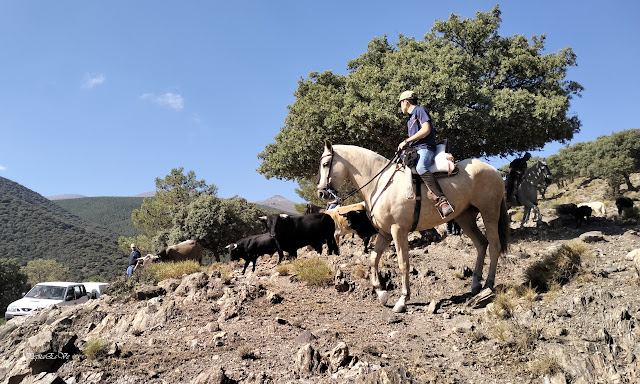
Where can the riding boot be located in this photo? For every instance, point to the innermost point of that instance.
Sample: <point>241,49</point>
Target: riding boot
<point>442,204</point>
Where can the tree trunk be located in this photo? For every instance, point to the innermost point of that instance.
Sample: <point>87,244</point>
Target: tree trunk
<point>630,186</point>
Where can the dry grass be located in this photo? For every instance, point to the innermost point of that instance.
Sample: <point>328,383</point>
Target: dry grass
<point>163,271</point>
<point>313,271</point>
<point>503,305</point>
<point>515,336</point>
<point>247,353</point>
<point>544,366</point>
<point>558,268</point>
<point>360,272</point>
<point>224,269</point>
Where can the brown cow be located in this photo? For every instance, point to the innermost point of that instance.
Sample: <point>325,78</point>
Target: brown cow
<point>187,250</point>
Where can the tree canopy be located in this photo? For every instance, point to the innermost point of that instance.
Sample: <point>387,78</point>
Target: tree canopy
<point>40,270</point>
<point>488,94</point>
<point>185,208</point>
<point>13,282</point>
<point>610,157</point>
<point>155,216</point>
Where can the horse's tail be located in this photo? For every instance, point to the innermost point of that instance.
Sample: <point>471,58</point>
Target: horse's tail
<point>504,227</point>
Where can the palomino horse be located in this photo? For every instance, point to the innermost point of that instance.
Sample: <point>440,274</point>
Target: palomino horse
<point>477,187</point>
<point>527,192</point>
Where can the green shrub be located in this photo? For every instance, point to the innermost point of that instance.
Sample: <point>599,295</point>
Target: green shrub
<point>95,349</point>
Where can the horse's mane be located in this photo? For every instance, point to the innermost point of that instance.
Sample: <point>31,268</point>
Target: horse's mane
<point>361,151</point>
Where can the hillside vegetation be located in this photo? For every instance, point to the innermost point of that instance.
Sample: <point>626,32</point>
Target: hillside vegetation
<point>110,212</point>
<point>34,227</point>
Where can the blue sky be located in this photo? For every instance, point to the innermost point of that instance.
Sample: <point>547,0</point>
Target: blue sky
<point>101,97</point>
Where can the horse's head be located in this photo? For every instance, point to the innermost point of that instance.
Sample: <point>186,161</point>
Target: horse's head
<point>326,189</point>
<point>546,172</point>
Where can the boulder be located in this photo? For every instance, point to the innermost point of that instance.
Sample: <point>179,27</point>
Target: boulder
<point>339,356</point>
<point>146,292</point>
<point>592,236</point>
<point>307,360</point>
<point>213,375</point>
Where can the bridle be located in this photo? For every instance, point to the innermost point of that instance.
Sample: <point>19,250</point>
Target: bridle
<point>333,192</point>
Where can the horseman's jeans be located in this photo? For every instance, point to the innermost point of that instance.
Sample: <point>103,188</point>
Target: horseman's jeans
<point>425,159</point>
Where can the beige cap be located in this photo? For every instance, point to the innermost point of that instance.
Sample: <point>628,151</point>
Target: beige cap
<point>406,95</point>
<point>133,245</point>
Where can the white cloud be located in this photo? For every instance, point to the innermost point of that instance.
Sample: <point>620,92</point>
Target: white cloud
<point>93,80</point>
<point>2,168</point>
<point>171,100</point>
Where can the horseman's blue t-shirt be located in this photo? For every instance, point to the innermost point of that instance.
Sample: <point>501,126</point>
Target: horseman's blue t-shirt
<point>419,116</point>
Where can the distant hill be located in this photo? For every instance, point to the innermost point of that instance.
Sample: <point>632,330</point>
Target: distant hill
<point>65,196</point>
<point>34,227</point>
<point>146,194</point>
<point>279,203</point>
<point>111,212</point>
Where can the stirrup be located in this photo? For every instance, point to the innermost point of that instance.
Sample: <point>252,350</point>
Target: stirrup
<point>444,207</point>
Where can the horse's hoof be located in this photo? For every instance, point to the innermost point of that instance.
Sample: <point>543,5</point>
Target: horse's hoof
<point>383,297</point>
<point>399,307</point>
<point>475,290</point>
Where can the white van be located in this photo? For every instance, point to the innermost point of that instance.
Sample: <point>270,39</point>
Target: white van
<point>95,289</point>
<point>46,294</point>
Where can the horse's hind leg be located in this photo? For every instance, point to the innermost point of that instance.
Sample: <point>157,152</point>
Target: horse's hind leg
<point>467,221</point>
<point>382,242</point>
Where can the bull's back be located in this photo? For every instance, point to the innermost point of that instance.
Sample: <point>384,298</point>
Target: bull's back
<point>187,250</point>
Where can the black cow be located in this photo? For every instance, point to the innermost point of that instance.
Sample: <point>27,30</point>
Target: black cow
<point>250,247</point>
<point>566,209</point>
<point>360,222</point>
<point>581,214</point>
<point>293,232</point>
<point>623,203</point>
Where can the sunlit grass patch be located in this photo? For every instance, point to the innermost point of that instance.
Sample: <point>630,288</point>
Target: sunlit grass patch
<point>162,271</point>
<point>311,271</point>
<point>224,269</point>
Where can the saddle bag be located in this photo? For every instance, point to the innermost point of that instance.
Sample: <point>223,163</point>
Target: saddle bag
<point>408,157</point>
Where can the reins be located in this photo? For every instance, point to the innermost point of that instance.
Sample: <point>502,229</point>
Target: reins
<point>341,199</point>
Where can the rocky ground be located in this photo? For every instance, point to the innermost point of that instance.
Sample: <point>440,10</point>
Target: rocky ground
<point>267,328</point>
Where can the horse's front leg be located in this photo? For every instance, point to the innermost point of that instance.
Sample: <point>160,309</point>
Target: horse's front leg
<point>525,215</point>
<point>382,242</point>
<point>401,240</point>
<point>537,216</point>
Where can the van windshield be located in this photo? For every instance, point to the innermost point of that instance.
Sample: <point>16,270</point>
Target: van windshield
<point>46,292</point>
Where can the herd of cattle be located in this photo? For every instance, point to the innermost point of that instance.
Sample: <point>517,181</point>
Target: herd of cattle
<point>582,212</point>
<point>288,233</point>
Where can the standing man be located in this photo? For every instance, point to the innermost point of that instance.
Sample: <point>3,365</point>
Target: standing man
<point>422,137</point>
<point>516,170</point>
<point>133,260</point>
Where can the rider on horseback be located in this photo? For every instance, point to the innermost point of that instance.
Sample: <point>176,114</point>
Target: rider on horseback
<point>516,169</point>
<point>422,137</point>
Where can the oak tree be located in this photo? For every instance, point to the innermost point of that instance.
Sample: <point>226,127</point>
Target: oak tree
<point>488,94</point>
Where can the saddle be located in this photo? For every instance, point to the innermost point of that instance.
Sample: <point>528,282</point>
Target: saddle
<point>443,166</point>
